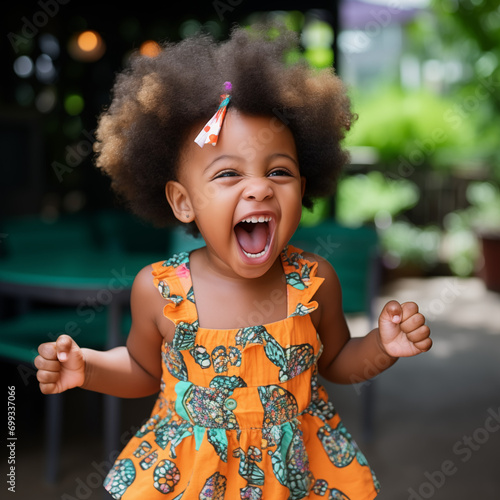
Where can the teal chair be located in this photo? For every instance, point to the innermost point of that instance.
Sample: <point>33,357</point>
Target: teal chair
<point>20,336</point>
<point>26,322</point>
<point>180,241</point>
<point>354,254</point>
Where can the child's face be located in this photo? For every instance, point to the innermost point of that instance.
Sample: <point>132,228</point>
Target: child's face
<point>252,175</point>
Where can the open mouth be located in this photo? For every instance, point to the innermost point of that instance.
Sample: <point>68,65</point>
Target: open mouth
<point>254,235</point>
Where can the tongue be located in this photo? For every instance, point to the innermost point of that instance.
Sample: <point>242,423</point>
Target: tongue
<point>252,237</point>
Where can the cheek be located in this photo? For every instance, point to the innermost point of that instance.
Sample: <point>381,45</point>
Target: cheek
<point>203,198</point>
<point>291,208</point>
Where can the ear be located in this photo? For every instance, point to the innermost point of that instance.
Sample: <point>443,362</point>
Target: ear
<point>179,200</point>
<point>302,186</point>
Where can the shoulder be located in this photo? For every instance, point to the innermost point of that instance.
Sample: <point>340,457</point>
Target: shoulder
<point>325,269</point>
<point>150,277</point>
<point>144,285</point>
<point>147,302</point>
<point>329,294</point>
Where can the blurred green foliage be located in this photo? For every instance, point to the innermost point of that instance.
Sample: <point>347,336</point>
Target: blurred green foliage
<point>406,244</point>
<point>416,126</point>
<point>470,31</point>
<point>363,197</point>
<point>464,228</point>
<point>484,212</point>
<point>446,121</point>
<point>319,212</point>
<point>374,198</point>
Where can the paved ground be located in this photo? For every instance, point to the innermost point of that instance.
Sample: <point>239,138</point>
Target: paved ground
<point>437,416</point>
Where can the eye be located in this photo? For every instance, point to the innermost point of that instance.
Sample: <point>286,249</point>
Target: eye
<point>226,173</point>
<point>279,172</point>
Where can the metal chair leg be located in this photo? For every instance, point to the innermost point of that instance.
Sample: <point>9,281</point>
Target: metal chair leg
<point>368,411</point>
<point>53,428</point>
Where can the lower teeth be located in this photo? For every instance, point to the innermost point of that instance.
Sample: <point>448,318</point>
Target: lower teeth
<point>255,255</point>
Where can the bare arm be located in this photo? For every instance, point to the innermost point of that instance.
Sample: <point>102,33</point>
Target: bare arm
<point>346,360</point>
<point>129,371</point>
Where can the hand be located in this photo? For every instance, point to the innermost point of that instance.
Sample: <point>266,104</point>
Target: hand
<point>61,365</point>
<point>402,329</point>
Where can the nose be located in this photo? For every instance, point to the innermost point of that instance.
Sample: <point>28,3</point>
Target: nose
<point>258,189</point>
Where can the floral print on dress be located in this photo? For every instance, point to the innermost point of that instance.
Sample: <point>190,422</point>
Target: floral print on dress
<point>302,310</point>
<point>212,406</point>
<point>248,469</point>
<point>291,258</point>
<point>149,426</point>
<point>279,405</point>
<point>172,430</point>
<point>120,477</point>
<point>223,357</point>
<point>337,445</point>
<point>217,438</point>
<point>295,280</point>
<point>200,355</point>
<point>241,413</point>
<point>251,335</point>
<point>149,461</point>
<point>177,260</point>
<point>182,270</point>
<point>166,476</point>
<point>143,448</point>
<point>300,478</point>
<point>319,406</point>
<point>164,290</point>
<point>214,488</point>
<point>291,360</point>
<point>174,361</point>
<point>184,335</point>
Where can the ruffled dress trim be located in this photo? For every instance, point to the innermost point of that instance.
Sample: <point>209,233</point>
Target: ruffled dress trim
<point>173,280</point>
<point>241,413</point>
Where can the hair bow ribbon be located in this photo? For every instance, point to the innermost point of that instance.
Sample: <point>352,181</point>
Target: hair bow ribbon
<point>209,134</point>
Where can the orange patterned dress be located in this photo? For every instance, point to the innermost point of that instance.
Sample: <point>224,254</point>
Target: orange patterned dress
<point>241,413</point>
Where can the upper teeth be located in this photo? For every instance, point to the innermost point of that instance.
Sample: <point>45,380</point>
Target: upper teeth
<point>256,219</point>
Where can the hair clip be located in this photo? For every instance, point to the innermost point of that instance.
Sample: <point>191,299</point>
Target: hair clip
<point>210,132</point>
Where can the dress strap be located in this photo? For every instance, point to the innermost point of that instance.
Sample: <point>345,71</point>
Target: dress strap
<point>302,282</point>
<point>172,278</point>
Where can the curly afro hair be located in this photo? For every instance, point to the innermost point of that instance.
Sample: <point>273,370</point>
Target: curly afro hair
<point>158,100</point>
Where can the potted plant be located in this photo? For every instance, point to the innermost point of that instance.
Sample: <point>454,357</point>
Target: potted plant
<point>484,217</point>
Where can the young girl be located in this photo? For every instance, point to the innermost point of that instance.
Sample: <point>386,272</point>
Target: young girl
<point>240,412</point>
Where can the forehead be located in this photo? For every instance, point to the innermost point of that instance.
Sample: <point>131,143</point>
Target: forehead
<point>245,136</point>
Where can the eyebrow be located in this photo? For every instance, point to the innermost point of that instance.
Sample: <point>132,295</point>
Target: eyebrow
<point>284,155</point>
<point>221,157</point>
<point>234,157</point>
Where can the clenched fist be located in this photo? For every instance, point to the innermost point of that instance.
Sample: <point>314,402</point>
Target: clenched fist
<point>403,331</point>
<point>61,365</point>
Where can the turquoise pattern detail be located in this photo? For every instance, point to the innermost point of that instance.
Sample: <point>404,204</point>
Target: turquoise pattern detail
<point>120,477</point>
